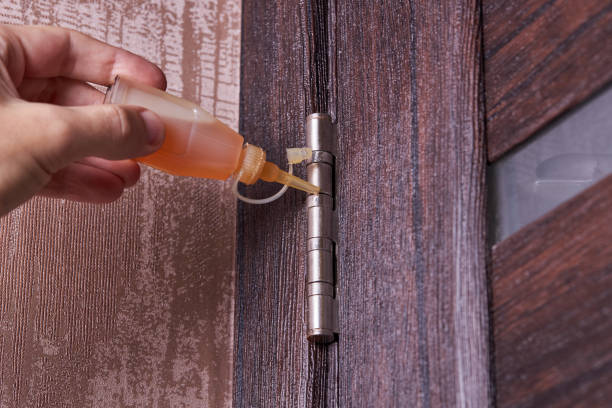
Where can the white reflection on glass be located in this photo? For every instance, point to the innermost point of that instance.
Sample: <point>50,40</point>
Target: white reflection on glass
<point>564,159</point>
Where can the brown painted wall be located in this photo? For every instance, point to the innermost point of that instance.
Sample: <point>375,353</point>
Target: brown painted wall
<point>128,304</point>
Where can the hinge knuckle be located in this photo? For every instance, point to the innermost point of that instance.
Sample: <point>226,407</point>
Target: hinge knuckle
<point>321,276</point>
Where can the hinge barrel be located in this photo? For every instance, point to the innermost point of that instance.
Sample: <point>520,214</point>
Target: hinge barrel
<point>321,277</point>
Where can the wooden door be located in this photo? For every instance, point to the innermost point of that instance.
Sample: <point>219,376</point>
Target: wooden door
<point>404,82</point>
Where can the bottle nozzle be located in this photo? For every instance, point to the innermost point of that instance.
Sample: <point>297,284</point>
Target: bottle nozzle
<point>271,172</point>
<point>255,167</point>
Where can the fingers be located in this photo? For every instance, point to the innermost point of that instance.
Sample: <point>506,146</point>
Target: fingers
<point>92,180</point>
<point>69,134</point>
<point>127,170</point>
<point>57,52</point>
<point>41,142</point>
<point>59,91</point>
<point>81,182</point>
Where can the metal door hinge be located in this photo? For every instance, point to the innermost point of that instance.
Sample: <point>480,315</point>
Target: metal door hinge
<point>321,243</point>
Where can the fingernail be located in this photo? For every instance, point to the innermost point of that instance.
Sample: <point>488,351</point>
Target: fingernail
<point>155,128</point>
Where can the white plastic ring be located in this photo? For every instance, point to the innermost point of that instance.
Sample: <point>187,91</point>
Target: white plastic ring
<point>267,200</point>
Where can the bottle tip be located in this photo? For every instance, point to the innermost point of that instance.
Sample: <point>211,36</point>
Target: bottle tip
<point>298,183</point>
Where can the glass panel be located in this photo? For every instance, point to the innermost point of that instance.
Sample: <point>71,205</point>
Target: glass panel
<point>564,159</point>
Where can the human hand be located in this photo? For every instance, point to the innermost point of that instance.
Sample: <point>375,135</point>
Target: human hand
<point>56,138</point>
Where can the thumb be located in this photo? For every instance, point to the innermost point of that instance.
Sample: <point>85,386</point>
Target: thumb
<point>108,131</point>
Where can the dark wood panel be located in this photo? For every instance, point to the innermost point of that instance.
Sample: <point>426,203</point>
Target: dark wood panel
<point>552,285</point>
<point>542,57</point>
<point>286,55</point>
<point>270,337</point>
<point>411,161</point>
<point>413,310</point>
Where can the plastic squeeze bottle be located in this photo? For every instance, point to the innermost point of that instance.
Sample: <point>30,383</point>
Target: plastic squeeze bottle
<point>197,144</point>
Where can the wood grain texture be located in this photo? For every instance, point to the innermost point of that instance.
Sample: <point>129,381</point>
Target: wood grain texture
<point>542,57</point>
<point>413,309</point>
<point>404,82</point>
<point>552,285</point>
<point>128,304</point>
<point>284,70</point>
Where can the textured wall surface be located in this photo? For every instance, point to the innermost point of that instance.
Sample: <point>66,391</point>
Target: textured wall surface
<point>128,304</point>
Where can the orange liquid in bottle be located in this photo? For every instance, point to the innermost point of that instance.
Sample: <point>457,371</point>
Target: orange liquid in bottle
<point>196,144</point>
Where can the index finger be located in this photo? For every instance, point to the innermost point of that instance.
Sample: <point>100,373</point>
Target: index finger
<point>58,52</point>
